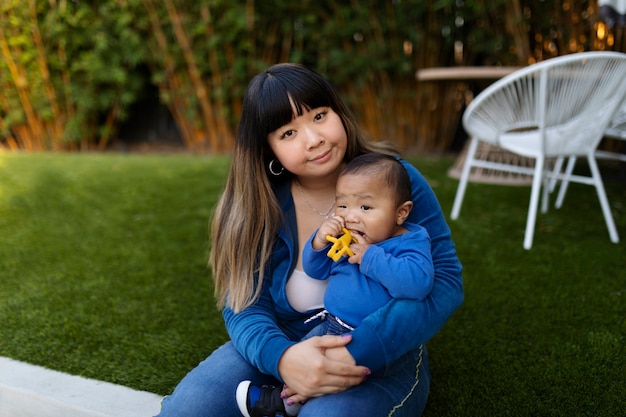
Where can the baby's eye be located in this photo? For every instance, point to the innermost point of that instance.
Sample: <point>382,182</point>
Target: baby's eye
<point>341,206</point>
<point>365,208</point>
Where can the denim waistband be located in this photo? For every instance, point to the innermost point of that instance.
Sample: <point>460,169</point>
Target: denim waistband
<point>325,314</point>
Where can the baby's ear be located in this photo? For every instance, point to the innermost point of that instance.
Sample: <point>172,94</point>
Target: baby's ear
<point>403,212</point>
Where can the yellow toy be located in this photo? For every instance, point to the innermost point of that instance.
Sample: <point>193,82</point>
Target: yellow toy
<point>341,245</point>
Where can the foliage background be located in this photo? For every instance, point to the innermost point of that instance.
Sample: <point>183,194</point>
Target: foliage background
<point>72,69</point>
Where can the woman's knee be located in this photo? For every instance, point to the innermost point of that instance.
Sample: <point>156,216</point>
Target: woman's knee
<point>209,389</point>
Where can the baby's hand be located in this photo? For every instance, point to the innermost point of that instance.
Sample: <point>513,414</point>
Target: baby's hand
<point>331,226</point>
<point>358,249</point>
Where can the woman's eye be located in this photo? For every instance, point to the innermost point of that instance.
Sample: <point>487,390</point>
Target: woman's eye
<point>287,134</point>
<point>320,115</point>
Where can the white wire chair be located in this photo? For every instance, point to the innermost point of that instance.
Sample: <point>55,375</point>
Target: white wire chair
<point>554,109</point>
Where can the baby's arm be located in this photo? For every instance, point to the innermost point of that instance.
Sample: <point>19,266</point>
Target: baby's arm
<point>315,261</point>
<point>408,272</point>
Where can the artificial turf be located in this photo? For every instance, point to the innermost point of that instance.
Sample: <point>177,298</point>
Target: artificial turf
<point>103,273</point>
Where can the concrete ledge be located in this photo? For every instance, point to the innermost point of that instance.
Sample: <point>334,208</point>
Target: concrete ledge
<point>33,391</point>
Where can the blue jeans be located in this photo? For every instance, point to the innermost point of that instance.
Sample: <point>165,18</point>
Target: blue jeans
<point>399,390</point>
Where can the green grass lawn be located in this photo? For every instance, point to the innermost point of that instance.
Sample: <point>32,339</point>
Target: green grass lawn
<point>103,273</point>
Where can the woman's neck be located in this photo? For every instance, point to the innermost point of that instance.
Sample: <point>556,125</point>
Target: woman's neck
<point>321,184</point>
<point>319,199</point>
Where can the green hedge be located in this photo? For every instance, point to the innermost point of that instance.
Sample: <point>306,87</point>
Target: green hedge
<point>71,69</point>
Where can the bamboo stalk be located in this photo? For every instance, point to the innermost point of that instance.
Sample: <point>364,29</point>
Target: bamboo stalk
<point>514,26</point>
<point>271,39</point>
<point>379,84</point>
<point>70,110</point>
<point>3,127</point>
<point>224,133</point>
<point>56,124</point>
<point>177,107</point>
<point>286,46</point>
<point>12,144</point>
<point>21,83</point>
<point>251,35</point>
<point>194,74</point>
<point>109,126</point>
<point>171,84</point>
<point>24,136</point>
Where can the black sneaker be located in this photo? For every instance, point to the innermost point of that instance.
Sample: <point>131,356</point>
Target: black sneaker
<point>264,401</point>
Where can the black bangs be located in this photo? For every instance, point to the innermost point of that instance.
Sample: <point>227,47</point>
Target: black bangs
<point>273,106</point>
<point>284,82</point>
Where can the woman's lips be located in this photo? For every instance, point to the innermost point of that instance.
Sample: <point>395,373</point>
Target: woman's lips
<point>322,158</point>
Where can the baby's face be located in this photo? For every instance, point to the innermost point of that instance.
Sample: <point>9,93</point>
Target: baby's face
<point>367,205</point>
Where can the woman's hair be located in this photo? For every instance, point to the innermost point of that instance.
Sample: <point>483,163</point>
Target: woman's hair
<point>247,217</point>
<point>385,167</point>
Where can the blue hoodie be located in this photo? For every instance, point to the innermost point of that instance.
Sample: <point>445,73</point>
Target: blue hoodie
<point>398,267</point>
<point>266,329</point>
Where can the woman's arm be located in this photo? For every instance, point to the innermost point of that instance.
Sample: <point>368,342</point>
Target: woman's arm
<point>402,325</point>
<point>256,335</point>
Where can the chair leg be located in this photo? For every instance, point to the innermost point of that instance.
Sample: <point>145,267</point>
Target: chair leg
<point>571,162</point>
<point>534,202</point>
<point>604,202</point>
<point>546,182</point>
<point>460,192</point>
<point>558,165</point>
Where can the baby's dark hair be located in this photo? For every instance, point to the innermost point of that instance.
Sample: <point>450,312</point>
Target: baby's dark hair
<point>388,168</point>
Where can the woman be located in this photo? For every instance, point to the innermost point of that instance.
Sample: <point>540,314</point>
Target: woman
<point>294,137</point>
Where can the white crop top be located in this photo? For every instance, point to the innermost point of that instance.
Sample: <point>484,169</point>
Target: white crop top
<point>305,293</point>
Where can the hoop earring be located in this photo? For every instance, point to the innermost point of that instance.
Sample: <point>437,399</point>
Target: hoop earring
<point>271,168</point>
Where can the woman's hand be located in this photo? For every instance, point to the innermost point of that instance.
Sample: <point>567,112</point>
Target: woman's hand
<point>319,366</point>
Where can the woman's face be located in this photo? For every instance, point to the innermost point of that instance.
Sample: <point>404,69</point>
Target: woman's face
<point>310,145</point>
